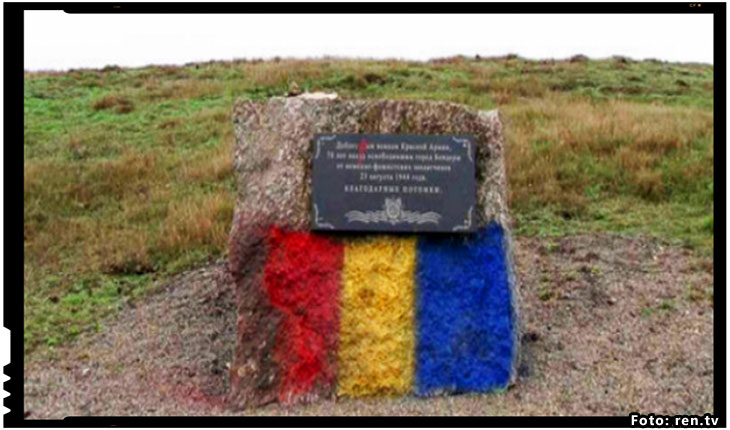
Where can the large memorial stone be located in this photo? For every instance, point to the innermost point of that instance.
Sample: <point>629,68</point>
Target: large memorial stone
<point>325,314</point>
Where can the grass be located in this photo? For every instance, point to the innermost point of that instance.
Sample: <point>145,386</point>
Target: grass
<point>127,172</point>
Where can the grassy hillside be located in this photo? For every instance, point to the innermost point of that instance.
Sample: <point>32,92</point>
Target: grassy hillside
<point>127,172</point>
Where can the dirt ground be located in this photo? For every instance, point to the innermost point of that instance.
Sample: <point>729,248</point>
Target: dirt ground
<point>611,325</point>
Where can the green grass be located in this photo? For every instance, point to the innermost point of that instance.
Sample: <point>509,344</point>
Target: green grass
<point>127,174</point>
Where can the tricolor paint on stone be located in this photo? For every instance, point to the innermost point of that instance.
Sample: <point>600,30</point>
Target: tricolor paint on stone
<point>323,315</point>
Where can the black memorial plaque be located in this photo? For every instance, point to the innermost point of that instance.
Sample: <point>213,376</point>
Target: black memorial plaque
<point>393,183</point>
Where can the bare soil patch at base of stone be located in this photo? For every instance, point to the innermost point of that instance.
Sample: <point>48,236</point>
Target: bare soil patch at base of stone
<point>611,325</point>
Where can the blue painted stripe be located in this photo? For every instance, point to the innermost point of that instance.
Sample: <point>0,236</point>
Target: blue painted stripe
<point>464,316</point>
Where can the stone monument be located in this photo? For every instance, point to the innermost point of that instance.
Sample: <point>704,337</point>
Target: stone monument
<point>371,250</point>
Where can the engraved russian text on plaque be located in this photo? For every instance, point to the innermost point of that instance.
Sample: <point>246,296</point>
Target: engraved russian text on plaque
<point>393,183</point>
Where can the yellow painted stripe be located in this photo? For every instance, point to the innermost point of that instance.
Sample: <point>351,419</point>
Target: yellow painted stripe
<point>376,353</point>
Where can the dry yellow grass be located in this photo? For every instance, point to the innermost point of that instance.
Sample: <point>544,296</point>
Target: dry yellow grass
<point>556,144</point>
<point>122,104</point>
<point>121,250</point>
<point>137,182</point>
<point>197,221</point>
<point>210,167</point>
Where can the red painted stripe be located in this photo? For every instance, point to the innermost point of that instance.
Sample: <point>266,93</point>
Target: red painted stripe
<point>302,278</point>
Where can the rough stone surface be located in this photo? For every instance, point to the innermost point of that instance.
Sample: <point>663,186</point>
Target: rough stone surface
<point>272,163</point>
<point>273,148</point>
